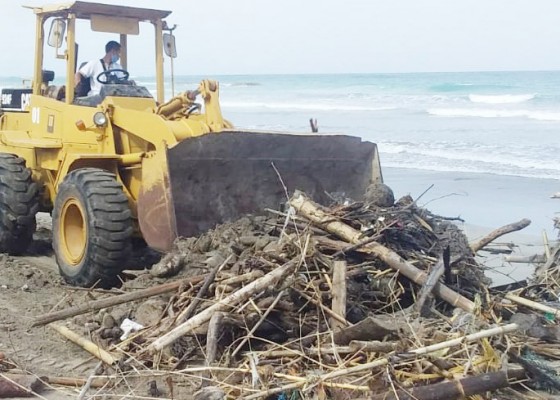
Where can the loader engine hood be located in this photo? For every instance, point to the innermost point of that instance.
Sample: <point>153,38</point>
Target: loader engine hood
<point>220,177</point>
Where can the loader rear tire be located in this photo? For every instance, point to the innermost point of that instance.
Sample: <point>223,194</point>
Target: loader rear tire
<point>19,202</point>
<point>92,228</point>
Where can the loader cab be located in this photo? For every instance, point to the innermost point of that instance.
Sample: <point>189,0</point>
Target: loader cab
<point>60,27</point>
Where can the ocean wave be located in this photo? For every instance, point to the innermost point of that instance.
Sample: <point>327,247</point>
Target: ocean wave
<point>461,86</point>
<point>492,113</point>
<point>477,112</point>
<point>470,157</point>
<point>299,106</point>
<point>450,87</point>
<point>544,116</point>
<point>477,169</point>
<point>500,98</point>
<point>240,84</point>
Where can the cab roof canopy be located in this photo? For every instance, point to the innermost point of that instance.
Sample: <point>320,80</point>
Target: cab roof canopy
<point>85,10</point>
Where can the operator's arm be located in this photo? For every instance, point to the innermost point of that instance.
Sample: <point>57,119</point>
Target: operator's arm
<point>85,71</point>
<point>77,78</point>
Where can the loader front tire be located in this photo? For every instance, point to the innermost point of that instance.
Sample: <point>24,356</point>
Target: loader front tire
<point>19,202</point>
<point>92,228</point>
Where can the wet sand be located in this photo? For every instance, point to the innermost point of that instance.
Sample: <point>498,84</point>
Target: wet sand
<point>481,199</point>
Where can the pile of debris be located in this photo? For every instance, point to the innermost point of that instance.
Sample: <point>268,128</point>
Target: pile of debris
<point>355,300</point>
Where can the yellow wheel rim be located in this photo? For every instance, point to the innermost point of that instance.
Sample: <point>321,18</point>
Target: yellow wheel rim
<point>73,231</point>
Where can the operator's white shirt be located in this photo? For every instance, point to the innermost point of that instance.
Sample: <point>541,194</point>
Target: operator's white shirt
<point>91,70</point>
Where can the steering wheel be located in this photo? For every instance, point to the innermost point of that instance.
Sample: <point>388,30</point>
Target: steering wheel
<point>111,76</point>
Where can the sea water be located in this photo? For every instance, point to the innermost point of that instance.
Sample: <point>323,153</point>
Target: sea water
<point>485,124</point>
<point>505,123</point>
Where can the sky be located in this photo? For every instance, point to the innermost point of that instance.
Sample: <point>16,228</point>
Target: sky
<point>222,37</point>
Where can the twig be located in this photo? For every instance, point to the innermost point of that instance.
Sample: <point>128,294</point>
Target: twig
<point>184,315</point>
<point>423,193</point>
<point>87,385</point>
<point>356,246</point>
<point>259,322</point>
<point>339,318</point>
<point>441,266</point>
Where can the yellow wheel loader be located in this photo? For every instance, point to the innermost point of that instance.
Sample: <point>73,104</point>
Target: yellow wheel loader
<point>123,164</point>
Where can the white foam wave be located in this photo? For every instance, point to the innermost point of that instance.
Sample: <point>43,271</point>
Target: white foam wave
<point>469,157</point>
<point>300,106</point>
<point>495,113</point>
<point>240,84</point>
<point>500,99</point>
<point>545,116</point>
<point>477,112</point>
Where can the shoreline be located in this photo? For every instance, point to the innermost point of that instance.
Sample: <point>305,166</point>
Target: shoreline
<point>480,199</point>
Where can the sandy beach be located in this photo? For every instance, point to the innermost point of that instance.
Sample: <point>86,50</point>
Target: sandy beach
<point>485,200</point>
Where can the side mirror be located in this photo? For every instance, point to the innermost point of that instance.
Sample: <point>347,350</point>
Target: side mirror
<point>56,33</point>
<point>169,45</point>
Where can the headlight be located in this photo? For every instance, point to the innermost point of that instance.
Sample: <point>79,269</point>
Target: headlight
<point>100,119</point>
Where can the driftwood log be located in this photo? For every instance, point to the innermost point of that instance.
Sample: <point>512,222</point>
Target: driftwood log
<point>371,328</point>
<point>338,293</point>
<point>115,300</point>
<point>515,226</point>
<point>456,389</point>
<point>314,213</point>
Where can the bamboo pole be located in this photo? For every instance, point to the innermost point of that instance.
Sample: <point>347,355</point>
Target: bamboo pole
<point>532,259</point>
<point>86,344</point>
<point>465,339</point>
<point>227,302</point>
<point>534,305</point>
<point>115,300</point>
<point>311,211</point>
<point>515,226</point>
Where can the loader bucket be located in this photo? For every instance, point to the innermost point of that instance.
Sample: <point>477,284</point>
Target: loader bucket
<point>220,177</point>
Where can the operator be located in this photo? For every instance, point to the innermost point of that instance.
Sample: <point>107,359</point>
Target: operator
<point>93,68</point>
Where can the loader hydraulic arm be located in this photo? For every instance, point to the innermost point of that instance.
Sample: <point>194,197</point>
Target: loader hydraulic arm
<point>184,105</point>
